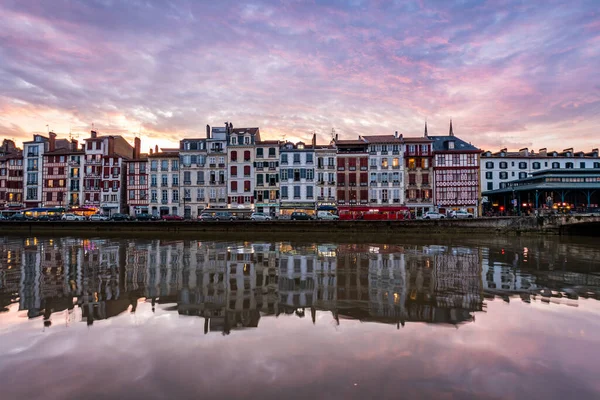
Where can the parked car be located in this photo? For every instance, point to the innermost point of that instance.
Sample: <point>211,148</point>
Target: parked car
<point>43,218</point>
<point>461,214</point>
<point>224,216</point>
<point>300,216</point>
<point>206,216</point>
<point>171,217</point>
<point>98,217</point>
<point>326,215</point>
<point>433,215</point>
<point>146,217</point>
<point>72,217</point>
<point>258,216</point>
<point>119,217</point>
<point>19,217</point>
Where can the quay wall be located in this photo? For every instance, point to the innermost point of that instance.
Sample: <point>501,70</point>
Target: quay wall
<point>477,226</point>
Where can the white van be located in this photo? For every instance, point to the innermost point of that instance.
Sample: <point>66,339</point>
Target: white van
<point>326,215</point>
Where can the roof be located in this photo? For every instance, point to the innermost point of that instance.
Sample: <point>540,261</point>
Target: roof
<point>381,139</point>
<point>264,142</point>
<point>350,142</point>
<point>165,154</point>
<point>239,131</point>
<point>416,139</point>
<point>440,143</point>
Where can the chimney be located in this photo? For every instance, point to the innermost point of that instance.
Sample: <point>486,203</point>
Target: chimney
<point>524,151</point>
<point>336,137</point>
<point>207,131</point>
<point>543,152</point>
<point>150,151</point>
<point>451,133</point>
<point>94,134</point>
<point>314,140</point>
<point>156,149</point>
<point>396,134</point>
<point>137,143</point>
<point>111,146</point>
<point>230,127</point>
<point>74,144</point>
<point>51,141</point>
<point>595,152</point>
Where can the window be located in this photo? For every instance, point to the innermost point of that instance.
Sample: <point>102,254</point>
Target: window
<point>522,165</point>
<point>233,171</point>
<point>503,175</point>
<point>233,185</point>
<point>489,165</point>
<point>296,158</point>
<point>597,165</point>
<point>175,180</point>
<point>555,165</point>
<point>272,152</point>
<point>296,192</point>
<point>164,180</point>
<point>259,180</point>
<point>284,158</point>
<point>536,165</point>
<point>246,154</point>
<point>259,153</point>
<point>153,180</point>
<point>412,163</point>
<point>522,175</point>
<point>233,156</point>
<point>187,179</point>
<point>582,165</point>
<point>503,165</point>
<point>247,186</point>
<point>284,174</point>
<point>488,175</point>
<point>310,174</point>
<point>164,165</point>
<point>425,179</point>
<point>246,170</point>
<point>199,178</point>
<point>153,165</point>
<point>569,165</point>
<point>284,192</point>
<point>131,194</point>
<point>384,162</point>
<point>131,168</point>
<point>309,158</point>
<point>246,140</point>
<point>233,140</point>
<point>132,180</point>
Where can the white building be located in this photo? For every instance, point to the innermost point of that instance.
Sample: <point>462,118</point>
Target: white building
<point>505,166</point>
<point>216,173</point>
<point>326,190</point>
<point>193,171</point>
<point>385,170</point>
<point>297,176</point>
<point>164,183</point>
<point>33,153</point>
<point>240,156</point>
<point>266,177</point>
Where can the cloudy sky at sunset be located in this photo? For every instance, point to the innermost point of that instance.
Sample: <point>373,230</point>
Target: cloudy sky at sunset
<point>509,73</point>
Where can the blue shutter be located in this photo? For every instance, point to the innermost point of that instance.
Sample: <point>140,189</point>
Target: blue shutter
<point>302,173</point>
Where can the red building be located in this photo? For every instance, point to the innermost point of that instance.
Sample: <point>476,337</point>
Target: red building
<point>456,166</point>
<point>352,175</point>
<point>103,180</point>
<point>61,173</point>
<point>136,171</point>
<point>11,175</point>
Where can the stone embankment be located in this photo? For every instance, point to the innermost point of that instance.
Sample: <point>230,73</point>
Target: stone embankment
<point>477,226</point>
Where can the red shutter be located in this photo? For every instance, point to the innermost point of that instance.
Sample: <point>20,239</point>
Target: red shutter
<point>247,155</point>
<point>234,156</point>
<point>246,186</point>
<point>233,170</point>
<point>246,170</point>
<point>233,185</point>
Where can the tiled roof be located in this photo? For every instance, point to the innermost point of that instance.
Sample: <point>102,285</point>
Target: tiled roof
<point>440,143</point>
<point>381,139</point>
<point>252,131</point>
<point>421,139</point>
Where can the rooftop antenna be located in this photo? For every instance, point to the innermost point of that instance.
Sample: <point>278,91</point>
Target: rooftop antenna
<point>332,133</point>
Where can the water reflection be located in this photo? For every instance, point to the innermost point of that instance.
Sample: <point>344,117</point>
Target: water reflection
<point>232,285</point>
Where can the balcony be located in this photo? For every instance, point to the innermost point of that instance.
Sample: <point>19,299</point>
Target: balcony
<point>373,183</point>
<point>395,152</point>
<point>331,167</point>
<point>272,168</point>
<point>187,182</point>
<point>32,168</point>
<point>31,183</point>
<point>363,184</point>
<point>331,182</point>
<point>320,198</point>
<point>373,166</point>
<point>284,197</point>
<point>222,200</point>
<point>164,201</point>
<point>93,162</point>
<point>363,168</point>
<point>384,153</point>
<point>164,184</point>
<point>221,165</point>
<point>212,165</point>
<point>341,169</point>
<point>212,200</point>
<point>259,184</point>
<point>331,198</point>
<point>351,168</point>
<point>395,167</point>
<point>259,168</point>
<point>272,156</point>
<point>341,184</point>
<point>352,184</point>
<point>372,152</point>
<point>153,185</point>
<point>396,183</point>
<point>201,183</point>
<point>212,183</point>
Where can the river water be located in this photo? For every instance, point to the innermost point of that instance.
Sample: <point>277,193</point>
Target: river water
<point>106,318</point>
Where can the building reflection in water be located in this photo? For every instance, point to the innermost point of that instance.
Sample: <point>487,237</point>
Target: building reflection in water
<point>233,285</point>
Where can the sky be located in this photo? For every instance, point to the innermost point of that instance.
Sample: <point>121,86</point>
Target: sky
<point>508,73</point>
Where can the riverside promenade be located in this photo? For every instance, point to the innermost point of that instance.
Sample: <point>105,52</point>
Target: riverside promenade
<point>552,225</point>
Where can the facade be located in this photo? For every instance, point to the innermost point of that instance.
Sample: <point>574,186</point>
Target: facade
<point>385,170</point>
<point>11,175</point>
<point>103,180</point>
<point>297,175</point>
<point>266,177</point>
<point>136,178</point>
<point>326,188</point>
<point>456,174</point>
<point>164,183</point>
<point>240,156</point>
<point>418,175</point>
<point>352,172</point>
<point>33,153</point>
<point>216,173</point>
<point>61,173</point>
<point>193,173</point>
<point>504,166</point>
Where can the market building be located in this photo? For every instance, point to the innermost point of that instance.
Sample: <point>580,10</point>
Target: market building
<point>297,175</point>
<point>266,177</point>
<point>456,173</point>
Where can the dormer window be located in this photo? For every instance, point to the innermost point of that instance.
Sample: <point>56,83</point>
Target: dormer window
<point>233,140</point>
<point>246,140</point>
<point>450,145</point>
<point>300,146</point>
